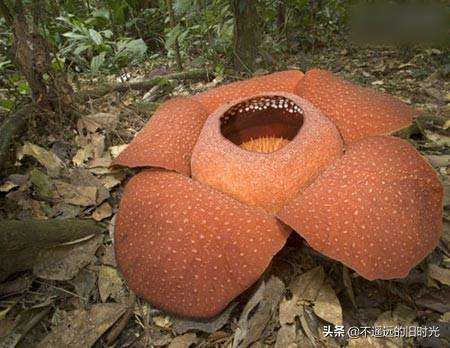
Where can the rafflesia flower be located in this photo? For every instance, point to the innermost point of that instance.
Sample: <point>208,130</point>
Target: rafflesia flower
<point>230,171</point>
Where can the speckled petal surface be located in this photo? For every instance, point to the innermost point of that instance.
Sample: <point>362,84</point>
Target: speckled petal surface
<point>378,210</point>
<point>267,180</point>
<point>284,81</point>
<point>356,111</point>
<point>168,138</point>
<point>188,249</point>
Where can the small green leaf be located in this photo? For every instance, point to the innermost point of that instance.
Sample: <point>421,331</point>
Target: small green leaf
<point>97,62</point>
<point>72,35</point>
<point>80,49</point>
<point>95,36</point>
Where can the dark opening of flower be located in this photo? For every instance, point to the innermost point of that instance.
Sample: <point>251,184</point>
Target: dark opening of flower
<point>290,143</point>
<point>263,124</point>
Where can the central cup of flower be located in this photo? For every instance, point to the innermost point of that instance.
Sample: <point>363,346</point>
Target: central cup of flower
<point>264,124</point>
<point>264,149</point>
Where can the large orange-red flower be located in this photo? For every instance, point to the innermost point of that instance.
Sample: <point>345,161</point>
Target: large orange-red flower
<point>230,171</point>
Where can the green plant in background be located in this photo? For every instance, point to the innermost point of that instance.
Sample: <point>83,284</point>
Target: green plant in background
<point>91,49</point>
<point>204,32</point>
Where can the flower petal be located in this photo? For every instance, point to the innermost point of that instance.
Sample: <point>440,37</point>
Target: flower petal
<point>283,81</point>
<point>187,248</point>
<point>356,111</point>
<point>378,210</point>
<point>167,139</point>
<point>266,180</point>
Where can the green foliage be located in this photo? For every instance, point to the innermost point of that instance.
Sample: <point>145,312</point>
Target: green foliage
<point>204,31</point>
<point>91,49</point>
<point>99,35</point>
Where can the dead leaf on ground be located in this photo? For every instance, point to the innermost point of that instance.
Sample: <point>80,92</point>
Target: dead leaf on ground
<point>162,322</point>
<point>110,284</point>
<point>82,328</point>
<point>286,337</point>
<point>43,184</point>
<point>65,210</point>
<point>184,341</point>
<point>82,177</point>
<point>432,129</point>
<point>258,311</point>
<point>102,212</point>
<point>180,326</point>
<point>23,324</point>
<point>446,182</point>
<point>104,120</point>
<point>46,158</point>
<point>401,316</point>
<point>7,186</point>
<point>116,150</point>
<point>78,195</point>
<point>107,255</point>
<point>439,161</point>
<point>112,180</point>
<point>314,288</point>
<point>64,262</point>
<point>83,155</point>
<point>84,282</point>
<point>98,144</point>
<point>327,306</point>
<point>33,208</point>
<point>439,273</point>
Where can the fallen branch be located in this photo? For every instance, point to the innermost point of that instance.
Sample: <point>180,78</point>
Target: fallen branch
<point>9,130</point>
<point>193,75</point>
<point>21,241</point>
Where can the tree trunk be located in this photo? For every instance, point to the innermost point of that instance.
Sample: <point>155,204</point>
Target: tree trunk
<point>32,57</point>
<point>246,35</point>
<point>10,129</point>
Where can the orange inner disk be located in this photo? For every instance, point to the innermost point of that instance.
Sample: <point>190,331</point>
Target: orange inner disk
<point>265,144</point>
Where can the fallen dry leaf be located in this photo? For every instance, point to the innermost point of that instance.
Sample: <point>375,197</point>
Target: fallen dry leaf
<point>102,212</point>
<point>84,282</point>
<point>83,155</point>
<point>312,287</point>
<point>110,284</point>
<point>78,195</point>
<point>64,262</point>
<point>400,316</point>
<point>162,322</point>
<point>439,273</point>
<point>7,186</point>
<point>286,337</point>
<point>184,341</point>
<point>116,150</point>
<point>46,158</point>
<point>439,161</point>
<point>289,309</point>
<point>107,256</point>
<point>82,328</point>
<point>82,177</point>
<point>105,120</point>
<point>432,129</point>
<point>43,185</point>
<point>327,306</point>
<point>112,180</point>
<point>180,326</point>
<point>258,311</point>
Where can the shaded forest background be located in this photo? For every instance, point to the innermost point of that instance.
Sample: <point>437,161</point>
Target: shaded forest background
<point>78,79</point>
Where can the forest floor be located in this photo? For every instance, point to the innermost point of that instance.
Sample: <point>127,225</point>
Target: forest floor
<point>74,295</point>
